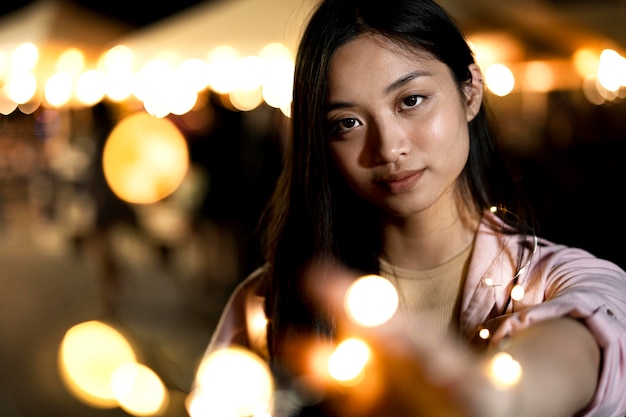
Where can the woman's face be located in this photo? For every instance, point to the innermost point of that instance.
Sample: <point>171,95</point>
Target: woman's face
<point>398,124</point>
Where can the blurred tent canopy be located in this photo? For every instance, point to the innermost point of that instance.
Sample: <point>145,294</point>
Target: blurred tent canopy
<point>56,25</point>
<point>547,27</point>
<point>245,25</point>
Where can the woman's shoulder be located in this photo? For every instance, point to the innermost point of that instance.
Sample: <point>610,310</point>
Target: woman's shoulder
<point>244,307</point>
<point>255,283</point>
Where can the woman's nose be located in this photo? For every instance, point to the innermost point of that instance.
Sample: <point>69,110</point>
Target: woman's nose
<point>390,142</point>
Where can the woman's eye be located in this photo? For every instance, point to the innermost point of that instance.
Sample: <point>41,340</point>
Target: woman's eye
<point>345,125</point>
<point>411,101</point>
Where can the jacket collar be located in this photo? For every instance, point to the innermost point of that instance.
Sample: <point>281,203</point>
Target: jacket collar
<point>493,266</point>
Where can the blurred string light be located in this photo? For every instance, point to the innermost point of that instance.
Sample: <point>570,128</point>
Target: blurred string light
<point>139,390</point>
<point>600,74</point>
<point>371,300</point>
<point>504,371</point>
<point>231,382</point>
<point>235,382</point>
<point>99,367</point>
<point>164,85</point>
<point>499,79</point>
<point>346,364</point>
<point>168,84</point>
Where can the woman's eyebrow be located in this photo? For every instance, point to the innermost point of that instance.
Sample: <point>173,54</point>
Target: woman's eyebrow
<point>338,105</point>
<point>405,79</point>
<point>390,88</point>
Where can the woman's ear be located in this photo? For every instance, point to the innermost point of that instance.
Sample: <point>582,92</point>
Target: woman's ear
<point>473,92</point>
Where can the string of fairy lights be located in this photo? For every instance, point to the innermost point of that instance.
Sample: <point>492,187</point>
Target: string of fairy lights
<point>170,85</point>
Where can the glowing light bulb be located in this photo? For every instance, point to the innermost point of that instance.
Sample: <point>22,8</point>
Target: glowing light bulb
<point>371,300</point>
<point>347,363</point>
<point>504,371</point>
<point>232,382</point>
<point>484,334</point>
<point>517,293</point>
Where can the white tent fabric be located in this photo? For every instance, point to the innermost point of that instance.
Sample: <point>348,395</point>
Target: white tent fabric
<point>246,25</point>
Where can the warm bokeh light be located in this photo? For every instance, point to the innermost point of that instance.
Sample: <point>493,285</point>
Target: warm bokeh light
<point>168,83</point>
<point>31,105</point>
<point>499,79</point>
<point>592,91</point>
<point>91,87</point>
<point>117,65</point>
<point>151,78</point>
<point>7,106</point>
<point>71,62</point>
<point>612,70</point>
<point>278,86</point>
<point>484,334</point>
<point>25,57</point>
<point>222,65</point>
<point>231,382</point>
<point>256,321</point>
<point>119,85</point>
<point>251,73</point>
<point>58,89</point>
<point>145,158</point>
<point>517,292</point>
<point>193,74</point>
<point>246,100</point>
<point>493,47</point>
<point>538,76</point>
<point>117,58</point>
<point>138,390</point>
<point>88,356</point>
<point>504,371</point>
<point>4,64</point>
<point>586,61</point>
<point>347,362</point>
<point>371,300</point>
<point>21,86</point>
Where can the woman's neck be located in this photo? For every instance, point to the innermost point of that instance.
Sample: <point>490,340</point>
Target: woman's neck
<point>427,239</point>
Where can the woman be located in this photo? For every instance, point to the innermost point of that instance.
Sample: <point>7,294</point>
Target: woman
<point>393,170</point>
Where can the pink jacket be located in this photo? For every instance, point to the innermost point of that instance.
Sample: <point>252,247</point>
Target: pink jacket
<point>557,281</point>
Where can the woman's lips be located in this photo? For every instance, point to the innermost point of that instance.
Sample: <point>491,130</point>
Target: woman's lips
<point>401,181</point>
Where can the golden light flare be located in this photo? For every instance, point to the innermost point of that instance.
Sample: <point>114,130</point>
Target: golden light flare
<point>138,390</point>
<point>346,364</point>
<point>504,371</point>
<point>517,292</point>
<point>499,79</point>
<point>371,300</point>
<point>145,158</point>
<point>99,367</point>
<point>231,382</point>
<point>484,333</point>
<point>88,356</point>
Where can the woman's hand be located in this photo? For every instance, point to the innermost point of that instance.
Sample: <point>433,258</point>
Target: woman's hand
<point>387,371</point>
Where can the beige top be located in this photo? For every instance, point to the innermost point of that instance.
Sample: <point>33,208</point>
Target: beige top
<point>429,300</point>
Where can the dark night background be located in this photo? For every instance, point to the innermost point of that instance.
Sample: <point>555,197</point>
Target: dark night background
<point>134,13</point>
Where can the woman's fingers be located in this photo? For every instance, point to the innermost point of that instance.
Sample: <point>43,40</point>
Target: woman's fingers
<point>374,367</point>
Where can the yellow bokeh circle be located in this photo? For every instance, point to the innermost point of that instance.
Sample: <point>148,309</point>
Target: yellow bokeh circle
<point>145,158</point>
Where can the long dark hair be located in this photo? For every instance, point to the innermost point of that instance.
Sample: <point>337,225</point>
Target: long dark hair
<point>313,213</point>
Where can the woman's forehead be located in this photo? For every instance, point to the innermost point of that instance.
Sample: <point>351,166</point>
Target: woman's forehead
<point>403,50</point>
<point>378,53</point>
